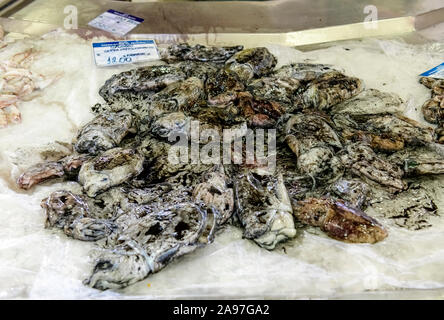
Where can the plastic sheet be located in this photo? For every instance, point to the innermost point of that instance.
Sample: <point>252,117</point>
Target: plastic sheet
<point>40,263</point>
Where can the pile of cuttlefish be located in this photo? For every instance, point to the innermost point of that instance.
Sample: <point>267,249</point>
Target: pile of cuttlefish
<point>338,146</point>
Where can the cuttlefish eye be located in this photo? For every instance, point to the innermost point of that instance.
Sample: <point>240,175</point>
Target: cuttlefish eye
<point>103,265</point>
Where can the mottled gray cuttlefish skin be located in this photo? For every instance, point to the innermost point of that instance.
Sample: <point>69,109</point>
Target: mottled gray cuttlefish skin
<point>223,87</point>
<point>179,98</point>
<point>370,102</point>
<point>143,81</point>
<point>433,109</point>
<point>109,169</point>
<point>264,208</point>
<point>197,53</point>
<point>363,162</point>
<point>282,91</point>
<point>304,72</point>
<point>413,209</point>
<point>420,161</point>
<point>313,141</point>
<point>338,150</point>
<point>330,89</point>
<point>353,191</point>
<point>305,131</point>
<point>383,132</point>
<point>71,213</point>
<point>217,194</point>
<point>251,63</point>
<point>104,132</point>
<point>149,245</point>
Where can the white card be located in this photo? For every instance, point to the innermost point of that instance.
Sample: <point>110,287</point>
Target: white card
<point>123,52</point>
<point>115,22</point>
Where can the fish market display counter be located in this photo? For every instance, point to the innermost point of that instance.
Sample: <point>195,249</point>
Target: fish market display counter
<point>348,213</point>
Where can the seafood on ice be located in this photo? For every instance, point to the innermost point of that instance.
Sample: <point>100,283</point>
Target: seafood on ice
<point>336,144</point>
<point>18,83</point>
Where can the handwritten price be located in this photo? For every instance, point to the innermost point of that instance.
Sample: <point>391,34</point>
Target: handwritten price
<point>113,60</point>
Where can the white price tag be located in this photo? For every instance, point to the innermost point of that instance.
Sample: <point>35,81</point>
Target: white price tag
<point>115,22</point>
<point>122,52</point>
<point>436,72</point>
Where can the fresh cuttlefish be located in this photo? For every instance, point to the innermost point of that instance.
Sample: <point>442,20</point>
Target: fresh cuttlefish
<point>439,132</point>
<point>143,81</point>
<point>329,89</point>
<point>177,97</point>
<point>71,213</point>
<point>277,90</point>
<point>263,207</point>
<point>413,209</point>
<point>433,109</point>
<point>339,221</point>
<point>363,162</point>
<point>375,117</point>
<point>109,169</point>
<point>216,193</point>
<point>158,158</point>
<point>370,102</point>
<point>150,243</point>
<point>223,87</point>
<point>260,113</point>
<point>104,132</point>
<point>353,191</point>
<point>199,53</point>
<point>314,142</point>
<point>419,161</point>
<point>140,230</point>
<point>251,63</point>
<point>66,168</point>
<point>384,132</point>
<point>304,72</point>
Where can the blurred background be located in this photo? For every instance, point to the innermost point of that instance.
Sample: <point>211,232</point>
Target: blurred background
<point>186,17</point>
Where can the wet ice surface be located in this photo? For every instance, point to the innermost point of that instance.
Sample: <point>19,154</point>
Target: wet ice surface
<point>40,263</point>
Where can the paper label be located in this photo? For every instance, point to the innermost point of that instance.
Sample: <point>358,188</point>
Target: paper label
<point>436,72</point>
<point>115,22</point>
<point>123,52</point>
